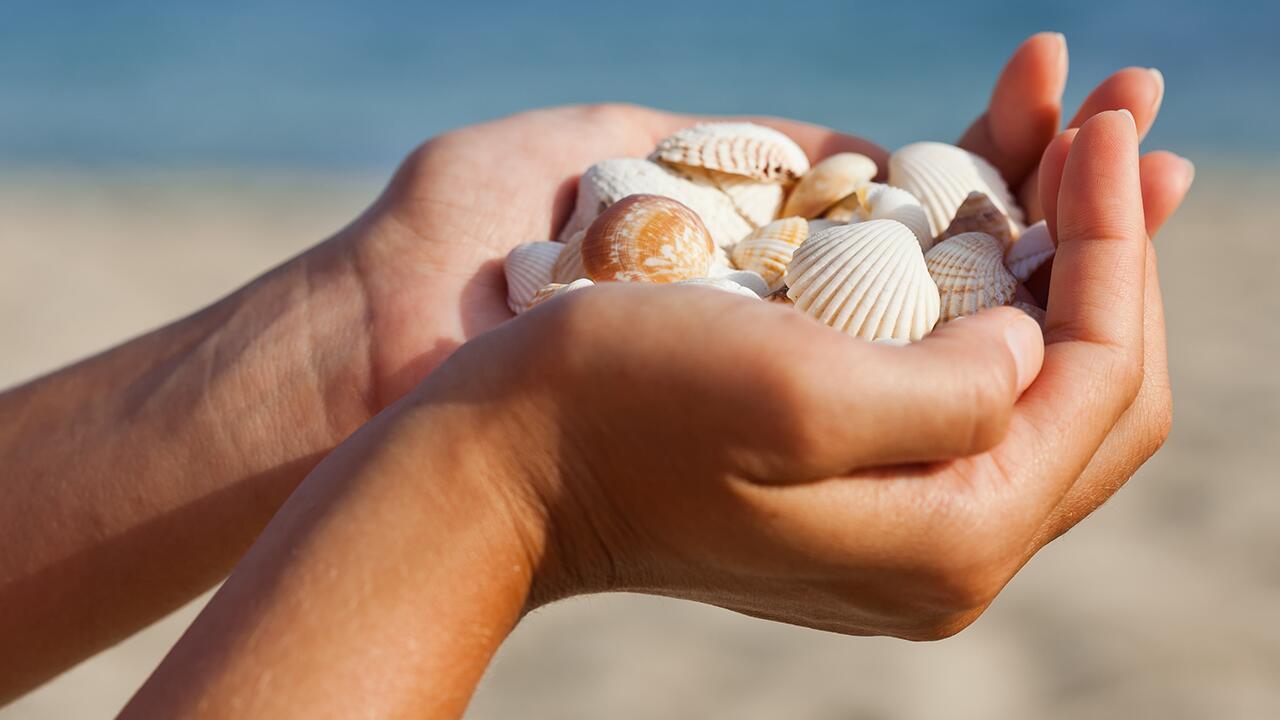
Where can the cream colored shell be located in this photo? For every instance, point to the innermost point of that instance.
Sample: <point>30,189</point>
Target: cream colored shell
<point>755,201</point>
<point>942,175</point>
<point>828,182</point>
<point>878,201</point>
<point>768,250</point>
<point>568,266</point>
<point>528,268</point>
<point>970,274</point>
<point>722,283</point>
<point>608,181</point>
<point>557,289</point>
<point>1033,249</point>
<point>738,148</point>
<point>868,280</point>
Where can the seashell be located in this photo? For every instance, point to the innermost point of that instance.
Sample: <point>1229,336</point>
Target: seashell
<point>750,280</point>
<point>780,297</point>
<point>768,250</point>
<point>647,238</point>
<point>608,181</point>
<point>721,283</point>
<point>868,279</point>
<point>557,289</point>
<point>1033,249</point>
<point>528,268</point>
<point>941,176</point>
<point>1035,311</point>
<point>885,202</point>
<point>970,273</point>
<point>568,266</point>
<point>820,224</point>
<point>828,182</point>
<point>737,148</point>
<point>978,214</point>
<point>755,201</point>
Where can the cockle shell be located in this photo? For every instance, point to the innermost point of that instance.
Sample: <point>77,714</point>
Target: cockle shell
<point>528,268</point>
<point>647,238</point>
<point>970,273</point>
<point>978,214</point>
<point>722,283</point>
<point>568,266</point>
<point>768,250</point>
<point>557,289</point>
<point>738,148</point>
<point>608,181</point>
<point>1033,249</point>
<point>828,182</point>
<point>943,175</point>
<point>867,279</point>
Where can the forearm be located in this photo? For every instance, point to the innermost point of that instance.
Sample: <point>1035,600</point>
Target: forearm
<point>381,589</point>
<point>133,480</point>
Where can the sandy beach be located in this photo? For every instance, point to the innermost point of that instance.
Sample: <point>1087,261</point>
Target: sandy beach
<point>1166,603</point>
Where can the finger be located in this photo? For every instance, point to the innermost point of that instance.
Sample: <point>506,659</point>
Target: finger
<point>1024,109</point>
<point>1094,324</point>
<point>1166,178</point>
<point>948,395</point>
<point>1138,90</point>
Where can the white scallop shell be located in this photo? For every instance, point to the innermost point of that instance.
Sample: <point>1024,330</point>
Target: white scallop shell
<point>528,268</point>
<point>868,280</point>
<point>721,283</point>
<point>755,201</point>
<point>942,175</point>
<point>608,181</point>
<point>768,249</point>
<point>1033,249</point>
<point>970,274</point>
<point>738,148</point>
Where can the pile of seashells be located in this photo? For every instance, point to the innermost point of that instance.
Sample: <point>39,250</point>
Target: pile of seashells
<point>736,206</point>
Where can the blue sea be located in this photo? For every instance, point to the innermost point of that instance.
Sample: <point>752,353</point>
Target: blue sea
<point>355,85</point>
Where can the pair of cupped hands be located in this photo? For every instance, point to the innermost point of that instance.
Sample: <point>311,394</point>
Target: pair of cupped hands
<point>692,443</point>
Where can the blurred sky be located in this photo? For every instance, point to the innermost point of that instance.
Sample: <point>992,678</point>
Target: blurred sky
<point>355,85</point>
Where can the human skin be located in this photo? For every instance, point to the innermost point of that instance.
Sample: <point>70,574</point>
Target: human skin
<point>136,479</point>
<point>775,467</point>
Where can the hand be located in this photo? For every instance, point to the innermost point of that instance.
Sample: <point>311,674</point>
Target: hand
<point>764,469</point>
<point>775,467</point>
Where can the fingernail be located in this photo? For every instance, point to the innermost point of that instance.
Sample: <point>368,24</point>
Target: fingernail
<point>1191,170</point>
<point>1159,78</point>
<point>1126,113</point>
<point>1026,343</point>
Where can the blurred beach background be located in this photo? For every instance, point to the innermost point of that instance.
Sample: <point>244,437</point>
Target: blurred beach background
<point>154,156</point>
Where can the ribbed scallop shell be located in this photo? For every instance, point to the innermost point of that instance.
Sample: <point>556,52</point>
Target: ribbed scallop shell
<point>768,250</point>
<point>868,280</point>
<point>828,182</point>
<point>608,181</point>
<point>978,214</point>
<point>721,283</point>
<point>738,148</point>
<point>970,274</point>
<point>942,176</point>
<point>528,268</point>
<point>1033,249</point>
<point>647,238</point>
<point>568,266</point>
<point>557,289</point>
